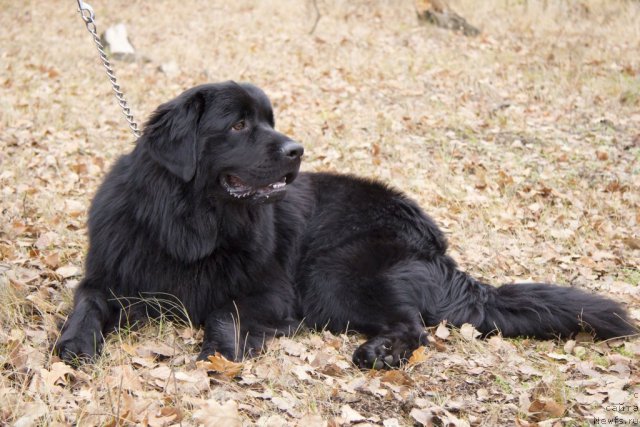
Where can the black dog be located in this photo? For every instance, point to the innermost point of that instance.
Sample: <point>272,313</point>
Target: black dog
<point>205,218</point>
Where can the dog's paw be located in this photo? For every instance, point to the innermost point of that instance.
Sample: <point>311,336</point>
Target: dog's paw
<point>78,349</point>
<point>377,353</point>
<point>384,352</point>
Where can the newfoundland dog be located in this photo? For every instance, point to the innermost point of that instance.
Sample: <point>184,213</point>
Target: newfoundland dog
<point>208,219</point>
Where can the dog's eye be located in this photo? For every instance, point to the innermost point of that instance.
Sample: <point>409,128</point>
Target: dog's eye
<point>239,126</point>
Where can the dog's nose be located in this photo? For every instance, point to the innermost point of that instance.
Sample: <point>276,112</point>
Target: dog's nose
<point>291,149</point>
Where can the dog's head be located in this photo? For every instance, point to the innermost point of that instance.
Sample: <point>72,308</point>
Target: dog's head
<point>223,135</point>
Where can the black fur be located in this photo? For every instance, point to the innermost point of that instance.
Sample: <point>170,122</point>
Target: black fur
<point>187,217</point>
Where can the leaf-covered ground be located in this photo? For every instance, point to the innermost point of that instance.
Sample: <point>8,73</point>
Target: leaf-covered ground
<point>523,143</point>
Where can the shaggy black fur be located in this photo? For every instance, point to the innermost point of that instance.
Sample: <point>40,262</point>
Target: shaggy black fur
<point>197,222</point>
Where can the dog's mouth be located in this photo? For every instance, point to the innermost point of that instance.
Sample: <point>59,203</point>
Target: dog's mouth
<point>240,189</point>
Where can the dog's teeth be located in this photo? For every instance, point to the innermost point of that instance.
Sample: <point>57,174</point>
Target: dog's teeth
<point>277,185</point>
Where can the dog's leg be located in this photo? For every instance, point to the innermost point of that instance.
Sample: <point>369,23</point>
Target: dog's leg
<point>81,337</point>
<point>242,328</point>
<point>373,289</point>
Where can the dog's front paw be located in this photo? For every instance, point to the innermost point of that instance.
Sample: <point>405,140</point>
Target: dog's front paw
<point>81,348</point>
<point>384,352</point>
<point>376,353</point>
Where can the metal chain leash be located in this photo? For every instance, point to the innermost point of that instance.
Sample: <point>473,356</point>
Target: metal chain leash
<point>88,16</point>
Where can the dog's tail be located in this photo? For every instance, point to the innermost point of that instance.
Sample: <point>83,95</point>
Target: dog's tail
<point>531,309</point>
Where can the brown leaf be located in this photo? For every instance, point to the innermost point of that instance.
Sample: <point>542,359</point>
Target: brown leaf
<point>504,179</point>
<point>156,349</point>
<point>124,377</point>
<point>632,242</point>
<point>218,363</point>
<point>481,180</point>
<point>546,408</point>
<point>334,342</point>
<point>397,377</point>
<point>440,346</point>
<point>164,417</point>
<point>57,375</point>
<point>332,370</point>
<point>52,260</point>
<point>602,155</point>
<point>7,252</point>
<point>614,186</point>
<point>419,355</point>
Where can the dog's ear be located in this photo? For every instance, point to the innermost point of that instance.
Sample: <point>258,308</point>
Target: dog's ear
<point>172,131</point>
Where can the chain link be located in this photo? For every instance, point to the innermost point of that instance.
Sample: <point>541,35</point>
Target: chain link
<point>88,16</point>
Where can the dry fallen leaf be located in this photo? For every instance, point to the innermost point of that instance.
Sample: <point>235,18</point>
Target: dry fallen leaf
<point>632,242</point>
<point>617,396</point>
<point>273,420</point>
<point>214,414</point>
<point>421,416</point>
<point>442,331</point>
<point>311,420</point>
<point>569,346</point>
<point>301,371</point>
<point>468,332</point>
<point>546,408</point>
<point>32,412</point>
<point>125,377</point>
<point>155,348</point>
<point>52,260</point>
<point>419,355</point>
<point>291,347</point>
<point>161,372</point>
<point>397,377</point>
<point>218,363</point>
<point>68,270</point>
<point>333,370</point>
<point>164,417</point>
<point>350,416</point>
<point>57,375</point>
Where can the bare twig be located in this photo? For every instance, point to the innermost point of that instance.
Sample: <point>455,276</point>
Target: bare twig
<point>318,16</point>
